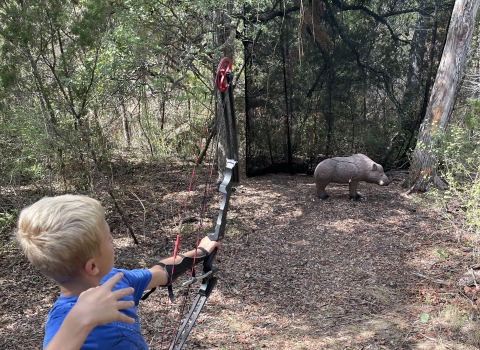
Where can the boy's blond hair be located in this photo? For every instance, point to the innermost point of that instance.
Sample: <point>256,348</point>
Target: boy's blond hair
<point>60,234</point>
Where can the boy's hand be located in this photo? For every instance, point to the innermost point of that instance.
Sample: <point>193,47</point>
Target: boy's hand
<point>100,305</point>
<point>159,275</point>
<point>208,244</point>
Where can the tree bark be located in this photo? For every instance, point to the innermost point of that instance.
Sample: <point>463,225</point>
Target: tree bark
<point>423,169</point>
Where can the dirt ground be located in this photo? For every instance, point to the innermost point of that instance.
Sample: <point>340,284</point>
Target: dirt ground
<point>295,272</point>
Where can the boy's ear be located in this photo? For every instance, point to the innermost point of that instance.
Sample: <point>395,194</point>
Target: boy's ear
<point>91,267</point>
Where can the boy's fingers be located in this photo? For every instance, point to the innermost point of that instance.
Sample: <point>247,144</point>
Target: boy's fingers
<point>123,292</point>
<point>113,280</point>
<point>125,304</point>
<point>125,318</point>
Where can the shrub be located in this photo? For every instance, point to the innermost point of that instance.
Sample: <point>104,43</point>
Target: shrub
<point>460,163</point>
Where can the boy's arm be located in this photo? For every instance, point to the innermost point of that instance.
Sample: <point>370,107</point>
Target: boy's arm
<point>159,275</point>
<point>95,306</point>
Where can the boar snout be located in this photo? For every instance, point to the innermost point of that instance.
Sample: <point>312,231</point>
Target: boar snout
<point>384,182</point>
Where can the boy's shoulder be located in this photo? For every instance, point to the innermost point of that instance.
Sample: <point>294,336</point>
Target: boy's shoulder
<point>57,314</point>
<point>62,306</point>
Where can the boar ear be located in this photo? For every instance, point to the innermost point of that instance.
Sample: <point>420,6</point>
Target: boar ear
<point>374,167</point>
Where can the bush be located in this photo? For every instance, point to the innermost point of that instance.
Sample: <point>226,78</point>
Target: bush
<point>460,163</point>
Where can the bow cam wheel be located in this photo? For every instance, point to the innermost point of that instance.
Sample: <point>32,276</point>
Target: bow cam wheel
<point>224,67</point>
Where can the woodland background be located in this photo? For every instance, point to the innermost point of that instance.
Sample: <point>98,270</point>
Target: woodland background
<point>92,89</point>
<point>84,82</point>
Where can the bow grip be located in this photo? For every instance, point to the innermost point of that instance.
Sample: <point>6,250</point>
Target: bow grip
<point>209,260</point>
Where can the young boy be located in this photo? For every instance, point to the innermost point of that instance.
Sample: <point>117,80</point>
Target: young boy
<point>68,240</point>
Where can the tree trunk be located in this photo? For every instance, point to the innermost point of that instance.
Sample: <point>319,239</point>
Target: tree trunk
<point>247,59</point>
<point>431,63</point>
<point>412,97</point>
<point>329,116</point>
<point>423,170</point>
<point>125,124</point>
<point>286,82</point>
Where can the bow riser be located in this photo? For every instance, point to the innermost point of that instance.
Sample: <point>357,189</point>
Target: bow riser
<point>230,179</point>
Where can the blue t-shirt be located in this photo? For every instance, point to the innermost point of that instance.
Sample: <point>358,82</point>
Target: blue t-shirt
<point>115,335</point>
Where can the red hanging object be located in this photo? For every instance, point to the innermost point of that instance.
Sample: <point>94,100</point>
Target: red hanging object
<point>224,67</point>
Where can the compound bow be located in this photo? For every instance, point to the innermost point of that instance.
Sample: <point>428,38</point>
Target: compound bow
<point>224,79</point>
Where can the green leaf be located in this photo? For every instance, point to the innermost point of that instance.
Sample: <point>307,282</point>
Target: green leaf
<point>441,253</point>
<point>424,317</point>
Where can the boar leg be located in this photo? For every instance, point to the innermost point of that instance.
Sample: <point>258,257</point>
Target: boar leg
<point>352,186</point>
<point>321,193</point>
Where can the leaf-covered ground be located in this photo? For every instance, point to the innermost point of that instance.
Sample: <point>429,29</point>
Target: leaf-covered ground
<point>296,272</point>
